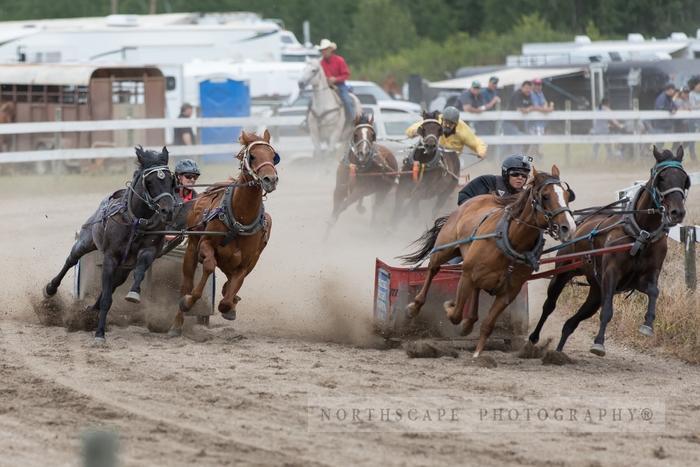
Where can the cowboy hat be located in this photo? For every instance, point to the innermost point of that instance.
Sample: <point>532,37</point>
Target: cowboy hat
<point>325,44</point>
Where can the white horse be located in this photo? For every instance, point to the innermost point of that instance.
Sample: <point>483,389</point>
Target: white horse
<point>327,122</point>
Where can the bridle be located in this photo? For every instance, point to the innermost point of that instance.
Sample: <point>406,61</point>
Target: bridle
<point>430,137</point>
<point>356,146</point>
<point>658,196</point>
<point>549,215</point>
<point>147,198</point>
<point>246,167</point>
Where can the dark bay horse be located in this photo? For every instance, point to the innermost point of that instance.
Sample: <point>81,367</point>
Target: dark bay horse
<point>119,228</point>
<point>658,205</point>
<point>434,171</point>
<point>510,231</point>
<point>235,209</point>
<point>361,175</point>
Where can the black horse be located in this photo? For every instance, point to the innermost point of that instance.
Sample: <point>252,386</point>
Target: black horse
<point>658,205</point>
<point>119,228</point>
<point>434,171</point>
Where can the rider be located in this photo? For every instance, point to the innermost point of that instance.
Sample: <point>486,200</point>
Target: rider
<point>337,72</point>
<point>514,173</point>
<point>186,174</point>
<point>456,134</point>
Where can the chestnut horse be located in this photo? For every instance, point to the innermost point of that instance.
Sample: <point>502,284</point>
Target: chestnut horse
<point>658,205</point>
<point>361,173</point>
<point>236,209</point>
<point>500,240</point>
<point>438,170</point>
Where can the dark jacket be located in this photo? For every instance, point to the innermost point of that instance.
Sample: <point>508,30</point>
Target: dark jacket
<point>484,185</point>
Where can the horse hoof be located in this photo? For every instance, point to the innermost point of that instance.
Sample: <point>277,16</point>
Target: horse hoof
<point>99,341</point>
<point>466,328</point>
<point>133,297</point>
<point>411,310</point>
<point>598,349</point>
<point>646,330</point>
<point>229,315</point>
<point>49,291</point>
<point>174,332</point>
<point>183,304</point>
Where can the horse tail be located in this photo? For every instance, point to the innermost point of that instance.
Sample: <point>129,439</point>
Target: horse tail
<point>426,242</point>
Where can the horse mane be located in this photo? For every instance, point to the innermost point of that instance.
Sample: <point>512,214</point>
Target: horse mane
<point>518,201</point>
<point>147,158</point>
<point>431,115</point>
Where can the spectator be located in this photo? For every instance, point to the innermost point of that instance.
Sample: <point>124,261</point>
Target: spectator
<point>603,127</point>
<point>472,102</point>
<point>184,136</point>
<point>694,99</point>
<point>682,102</point>
<point>489,96</point>
<point>664,101</point>
<point>539,104</point>
<point>520,101</point>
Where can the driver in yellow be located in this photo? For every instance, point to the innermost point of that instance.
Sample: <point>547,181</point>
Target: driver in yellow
<point>455,133</point>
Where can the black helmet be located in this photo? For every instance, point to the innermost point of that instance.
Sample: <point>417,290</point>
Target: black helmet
<point>186,166</point>
<point>515,162</point>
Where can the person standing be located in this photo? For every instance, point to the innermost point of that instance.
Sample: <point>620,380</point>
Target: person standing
<point>184,136</point>
<point>664,101</point>
<point>522,102</point>
<point>489,95</point>
<point>539,104</point>
<point>682,101</point>
<point>603,126</point>
<point>473,102</point>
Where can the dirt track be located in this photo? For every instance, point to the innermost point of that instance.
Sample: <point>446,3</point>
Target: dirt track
<point>238,393</point>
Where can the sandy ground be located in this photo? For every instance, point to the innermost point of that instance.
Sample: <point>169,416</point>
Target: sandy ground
<point>237,393</point>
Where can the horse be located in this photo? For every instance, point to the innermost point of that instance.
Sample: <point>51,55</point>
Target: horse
<point>120,229</point>
<point>500,240</point>
<point>369,168</point>
<point>328,125</point>
<point>235,209</point>
<point>433,172</point>
<point>657,206</point>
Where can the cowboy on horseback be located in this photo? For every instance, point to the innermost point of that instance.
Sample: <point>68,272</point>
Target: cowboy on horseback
<point>456,134</point>
<point>337,72</point>
<point>515,171</point>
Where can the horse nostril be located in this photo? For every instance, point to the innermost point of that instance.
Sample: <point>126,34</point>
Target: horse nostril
<point>564,229</point>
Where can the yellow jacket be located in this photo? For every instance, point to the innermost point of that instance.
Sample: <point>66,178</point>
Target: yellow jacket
<point>462,136</point>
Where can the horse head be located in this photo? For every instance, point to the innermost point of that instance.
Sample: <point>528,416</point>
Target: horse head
<point>550,198</point>
<point>669,184</point>
<point>153,183</point>
<point>363,138</point>
<point>312,74</point>
<point>258,159</point>
<point>429,131</point>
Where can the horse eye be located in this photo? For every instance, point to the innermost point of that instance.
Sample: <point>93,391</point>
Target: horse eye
<point>252,157</point>
<point>545,197</point>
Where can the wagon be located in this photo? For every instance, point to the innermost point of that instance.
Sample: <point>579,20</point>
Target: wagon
<point>395,287</point>
<point>160,290</point>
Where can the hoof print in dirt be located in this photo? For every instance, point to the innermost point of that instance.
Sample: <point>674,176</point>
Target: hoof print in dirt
<point>424,349</point>
<point>485,361</point>
<point>530,350</point>
<point>553,357</point>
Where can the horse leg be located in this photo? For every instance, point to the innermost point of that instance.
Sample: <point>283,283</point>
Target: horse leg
<point>144,260</point>
<point>554,290</point>
<point>83,246</point>
<point>500,304</point>
<point>652,292</point>
<point>436,260</point>
<point>109,267</point>
<point>206,250</point>
<point>608,289</point>
<point>454,309</point>
<point>472,313</point>
<point>588,309</point>
<point>189,266</point>
<point>227,305</point>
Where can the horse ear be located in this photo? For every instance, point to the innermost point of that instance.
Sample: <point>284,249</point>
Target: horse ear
<point>139,153</point>
<point>356,120</point>
<point>679,153</point>
<point>555,170</point>
<point>245,138</point>
<point>425,115</point>
<point>657,154</point>
<point>165,151</point>
<point>534,172</point>
<point>266,135</point>
<point>370,119</point>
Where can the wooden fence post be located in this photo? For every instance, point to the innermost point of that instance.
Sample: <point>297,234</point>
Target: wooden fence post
<point>688,237</point>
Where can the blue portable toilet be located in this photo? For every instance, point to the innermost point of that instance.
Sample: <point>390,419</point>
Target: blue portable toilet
<point>222,98</point>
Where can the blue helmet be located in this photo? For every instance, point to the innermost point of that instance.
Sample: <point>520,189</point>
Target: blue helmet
<point>187,166</point>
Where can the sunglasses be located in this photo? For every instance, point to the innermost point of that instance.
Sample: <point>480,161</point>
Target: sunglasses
<point>519,174</point>
<point>191,176</point>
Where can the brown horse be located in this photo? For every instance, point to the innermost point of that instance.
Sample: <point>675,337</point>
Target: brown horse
<point>500,241</point>
<point>235,209</point>
<point>369,168</point>
<point>430,172</point>
<point>657,206</point>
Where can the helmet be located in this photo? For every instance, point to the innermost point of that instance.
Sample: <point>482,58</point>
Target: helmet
<point>186,166</point>
<point>515,162</point>
<point>450,114</point>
